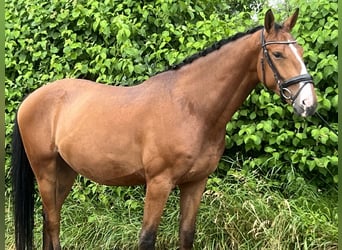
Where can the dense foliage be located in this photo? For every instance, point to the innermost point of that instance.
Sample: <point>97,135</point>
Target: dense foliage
<point>125,42</point>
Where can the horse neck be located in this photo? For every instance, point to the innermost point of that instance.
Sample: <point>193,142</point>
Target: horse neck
<point>217,84</point>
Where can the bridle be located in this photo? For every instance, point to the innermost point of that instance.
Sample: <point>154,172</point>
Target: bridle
<point>285,93</point>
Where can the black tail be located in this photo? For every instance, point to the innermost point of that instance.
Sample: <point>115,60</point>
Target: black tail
<point>23,193</point>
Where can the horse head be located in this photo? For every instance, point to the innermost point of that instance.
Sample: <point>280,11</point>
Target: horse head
<point>281,67</point>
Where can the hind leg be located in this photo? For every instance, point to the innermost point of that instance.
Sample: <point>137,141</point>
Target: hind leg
<point>54,182</point>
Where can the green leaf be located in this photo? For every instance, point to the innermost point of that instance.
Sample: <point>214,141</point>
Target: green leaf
<point>311,165</point>
<point>268,126</point>
<point>326,104</point>
<point>335,178</point>
<point>333,137</point>
<point>269,149</point>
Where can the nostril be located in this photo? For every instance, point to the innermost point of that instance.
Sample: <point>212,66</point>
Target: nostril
<point>306,102</point>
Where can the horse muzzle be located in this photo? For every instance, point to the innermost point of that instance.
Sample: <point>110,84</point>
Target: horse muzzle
<point>304,110</point>
<point>305,103</point>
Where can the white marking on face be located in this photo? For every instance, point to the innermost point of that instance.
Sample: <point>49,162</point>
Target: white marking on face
<point>295,52</point>
<point>305,96</point>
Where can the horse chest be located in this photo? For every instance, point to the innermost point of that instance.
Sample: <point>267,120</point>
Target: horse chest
<point>205,163</point>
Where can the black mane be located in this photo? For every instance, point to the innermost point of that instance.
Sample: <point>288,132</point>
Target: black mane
<point>214,47</point>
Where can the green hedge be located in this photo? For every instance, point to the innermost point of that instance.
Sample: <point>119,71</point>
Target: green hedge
<point>125,42</point>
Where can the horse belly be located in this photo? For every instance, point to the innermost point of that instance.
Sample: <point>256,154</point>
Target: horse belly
<point>106,166</point>
<point>112,178</point>
<point>116,173</point>
<point>110,172</point>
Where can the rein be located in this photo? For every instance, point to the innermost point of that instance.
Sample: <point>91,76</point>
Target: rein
<point>326,123</point>
<point>285,93</point>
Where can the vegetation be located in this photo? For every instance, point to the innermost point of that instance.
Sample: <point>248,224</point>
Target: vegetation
<point>240,211</point>
<point>275,187</point>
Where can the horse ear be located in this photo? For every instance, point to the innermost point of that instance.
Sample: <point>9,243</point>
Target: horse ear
<point>269,21</point>
<point>291,21</point>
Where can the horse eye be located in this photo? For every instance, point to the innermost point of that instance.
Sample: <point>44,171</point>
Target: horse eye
<point>277,55</point>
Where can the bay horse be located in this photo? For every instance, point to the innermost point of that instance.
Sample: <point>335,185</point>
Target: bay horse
<point>165,132</point>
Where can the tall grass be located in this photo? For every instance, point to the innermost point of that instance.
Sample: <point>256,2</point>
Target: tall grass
<point>241,210</point>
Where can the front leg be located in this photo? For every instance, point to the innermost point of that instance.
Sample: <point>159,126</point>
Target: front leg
<point>157,193</point>
<point>191,194</point>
